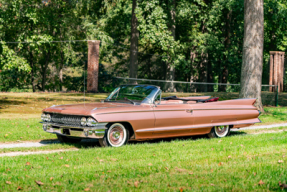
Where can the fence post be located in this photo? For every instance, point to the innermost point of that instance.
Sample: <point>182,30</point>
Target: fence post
<point>276,97</point>
<point>93,66</point>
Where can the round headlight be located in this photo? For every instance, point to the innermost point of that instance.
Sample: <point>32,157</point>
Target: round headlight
<point>83,121</point>
<point>43,117</point>
<point>48,118</point>
<point>91,122</point>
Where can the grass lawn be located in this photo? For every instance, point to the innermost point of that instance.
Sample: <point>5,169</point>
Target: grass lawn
<point>239,163</point>
<point>22,130</point>
<point>93,143</point>
<point>274,115</point>
<point>30,105</point>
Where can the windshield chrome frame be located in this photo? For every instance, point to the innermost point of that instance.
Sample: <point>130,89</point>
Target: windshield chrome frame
<point>155,95</point>
<point>151,100</point>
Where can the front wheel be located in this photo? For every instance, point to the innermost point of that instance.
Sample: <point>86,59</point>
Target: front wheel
<point>65,139</point>
<point>219,131</point>
<point>116,136</point>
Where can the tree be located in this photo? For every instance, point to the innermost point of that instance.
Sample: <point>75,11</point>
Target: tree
<point>252,60</point>
<point>134,43</point>
<point>170,66</point>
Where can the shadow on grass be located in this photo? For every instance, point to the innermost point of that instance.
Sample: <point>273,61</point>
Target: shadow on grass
<point>187,138</point>
<point>92,143</point>
<point>5,103</point>
<point>10,102</point>
<point>85,143</point>
<point>236,133</point>
<point>276,115</point>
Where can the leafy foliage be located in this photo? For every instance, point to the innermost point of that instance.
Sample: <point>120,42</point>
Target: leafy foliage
<point>207,46</point>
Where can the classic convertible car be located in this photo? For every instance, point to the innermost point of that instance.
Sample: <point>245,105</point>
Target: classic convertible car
<point>138,112</point>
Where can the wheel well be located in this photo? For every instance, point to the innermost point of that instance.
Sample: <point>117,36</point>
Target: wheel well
<point>128,126</point>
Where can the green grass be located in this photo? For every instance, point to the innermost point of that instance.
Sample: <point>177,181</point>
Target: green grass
<point>94,143</point>
<point>235,163</point>
<point>274,115</point>
<point>30,105</point>
<point>12,130</point>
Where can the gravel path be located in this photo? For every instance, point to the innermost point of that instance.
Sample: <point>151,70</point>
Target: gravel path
<point>37,144</point>
<point>261,127</point>
<point>12,154</point>
<point>28,144</point>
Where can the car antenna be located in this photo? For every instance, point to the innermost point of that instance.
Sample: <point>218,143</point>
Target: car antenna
<point>84,85</point>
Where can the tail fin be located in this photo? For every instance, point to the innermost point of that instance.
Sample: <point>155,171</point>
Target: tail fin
<point>243,101</point>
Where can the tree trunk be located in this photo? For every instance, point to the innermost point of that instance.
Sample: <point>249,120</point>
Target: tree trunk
<point>224,75</point>
<point>193,75</point>
<point>32,70</point>
<point>61,72</point>
<point>170,66</point>
<point>202,68</point>
<point>134,43</point>
<point>252,61</point>
<point>210,88</point>
<point>44,70</point>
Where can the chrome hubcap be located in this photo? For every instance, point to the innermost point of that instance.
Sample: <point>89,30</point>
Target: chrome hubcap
<point>221,130</point>
<point>116,135</point>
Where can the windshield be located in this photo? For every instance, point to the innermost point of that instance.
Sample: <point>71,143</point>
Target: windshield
<point>134,94</point>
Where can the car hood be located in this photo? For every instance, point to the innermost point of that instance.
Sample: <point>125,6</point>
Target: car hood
<point>84,109</point>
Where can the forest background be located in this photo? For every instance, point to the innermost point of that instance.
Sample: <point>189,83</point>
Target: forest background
<point>183,40</point>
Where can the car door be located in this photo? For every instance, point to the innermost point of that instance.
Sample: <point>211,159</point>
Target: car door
<point>172,119</point>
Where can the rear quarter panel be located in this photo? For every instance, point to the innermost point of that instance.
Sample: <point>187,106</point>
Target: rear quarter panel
<point>231,112</point>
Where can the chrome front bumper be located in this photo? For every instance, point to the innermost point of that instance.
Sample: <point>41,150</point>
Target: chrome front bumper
<point>96,132</point>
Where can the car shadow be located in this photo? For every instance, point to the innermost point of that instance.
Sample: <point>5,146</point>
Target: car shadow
<point>93,143</point>
<point>85,143</point>
<point>236,133</point>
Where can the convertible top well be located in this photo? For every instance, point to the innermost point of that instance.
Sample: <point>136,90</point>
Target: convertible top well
<point>213,99</point>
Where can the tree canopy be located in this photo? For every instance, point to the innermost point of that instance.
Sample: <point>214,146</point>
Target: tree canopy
<point>206,44</point>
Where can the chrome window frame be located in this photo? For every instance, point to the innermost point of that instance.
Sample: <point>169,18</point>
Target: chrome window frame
<point>151,99</point>
<point>159,92</point>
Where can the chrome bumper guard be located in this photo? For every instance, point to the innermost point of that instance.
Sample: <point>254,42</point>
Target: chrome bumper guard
<point>96,132</point>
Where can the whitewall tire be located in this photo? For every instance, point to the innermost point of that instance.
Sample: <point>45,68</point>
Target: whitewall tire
<point>219,131</point>
<point>116,136</point>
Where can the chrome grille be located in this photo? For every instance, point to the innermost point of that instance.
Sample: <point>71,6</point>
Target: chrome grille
<point>66,119</point>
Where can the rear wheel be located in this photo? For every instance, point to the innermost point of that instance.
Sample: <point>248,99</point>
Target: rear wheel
<point>219,131</point>
<point>116,135</point>
<point>65,139</point>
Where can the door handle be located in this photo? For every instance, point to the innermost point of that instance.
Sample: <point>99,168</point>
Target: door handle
<point>189,111</point>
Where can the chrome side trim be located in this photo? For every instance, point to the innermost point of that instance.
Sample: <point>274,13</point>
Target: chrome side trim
<point>174,129</point>
<point>225,109</point>
<point>140,111</point>
<point>168,129</point>
<point>174,110</point>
